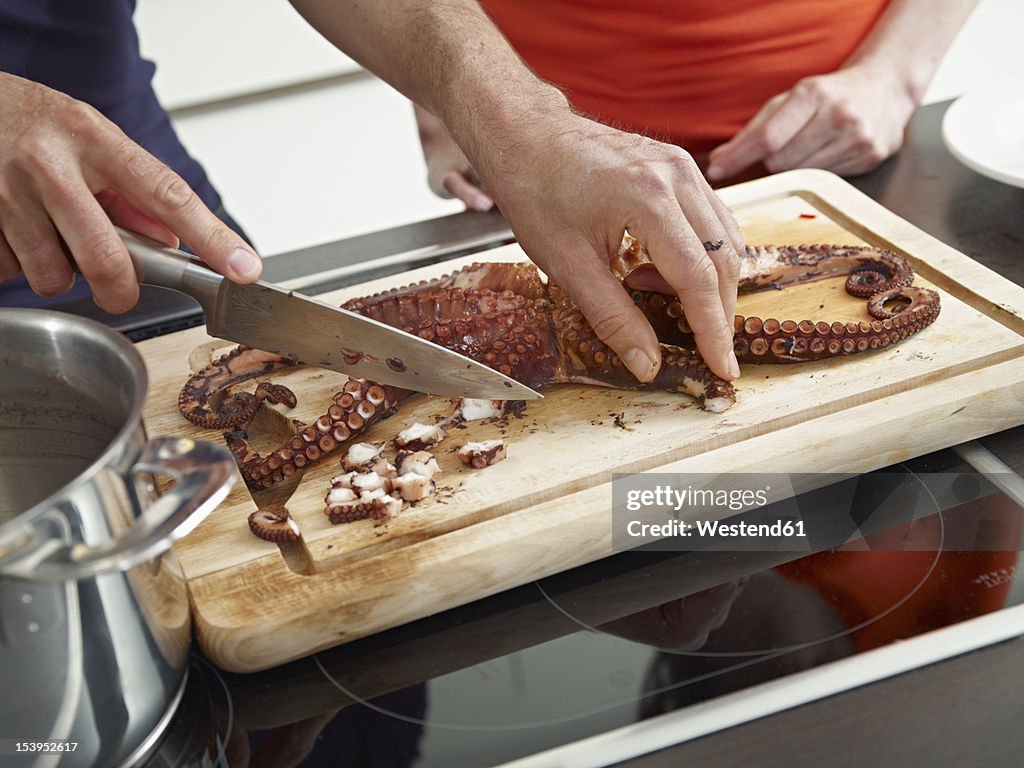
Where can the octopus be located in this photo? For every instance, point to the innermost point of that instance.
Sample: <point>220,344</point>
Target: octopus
<point>883,277</point>
<point>270,526</point>
<point>482,453</point>
<point>506,316</point>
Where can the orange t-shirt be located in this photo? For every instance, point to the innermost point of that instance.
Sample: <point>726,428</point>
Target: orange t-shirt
<point>687,71</point>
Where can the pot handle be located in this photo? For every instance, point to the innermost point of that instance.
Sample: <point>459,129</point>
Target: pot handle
<point>203,472</point>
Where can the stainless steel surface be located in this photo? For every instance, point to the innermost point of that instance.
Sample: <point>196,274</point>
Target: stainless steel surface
<point>202,476</point>
<point>377,254</point>
<point>799,689</point>
<point>285,323</point>
<point>94,622</point>
<point>388,251</point>
<point>993,468</point>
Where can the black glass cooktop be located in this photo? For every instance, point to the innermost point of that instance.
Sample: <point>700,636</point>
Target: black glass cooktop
<point>607,645</point>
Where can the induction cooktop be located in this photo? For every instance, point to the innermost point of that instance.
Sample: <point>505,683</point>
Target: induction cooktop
<point>704,639</point>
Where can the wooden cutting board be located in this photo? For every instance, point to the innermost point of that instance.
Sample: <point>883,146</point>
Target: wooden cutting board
<point>547,507</point>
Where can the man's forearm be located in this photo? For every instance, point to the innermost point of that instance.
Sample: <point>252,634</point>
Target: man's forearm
<point>911,38</point>
<point>568,186</point>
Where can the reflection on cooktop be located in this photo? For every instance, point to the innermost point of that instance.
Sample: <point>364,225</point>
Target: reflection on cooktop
<point>602,646</point>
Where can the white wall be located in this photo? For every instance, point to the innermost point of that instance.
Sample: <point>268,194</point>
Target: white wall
<point>210,49</point>
<point>304,166</point>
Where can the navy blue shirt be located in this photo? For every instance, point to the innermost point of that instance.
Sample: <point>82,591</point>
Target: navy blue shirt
<point>89,50</point>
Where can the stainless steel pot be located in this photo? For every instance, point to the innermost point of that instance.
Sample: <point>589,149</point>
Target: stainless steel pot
<point>94,618</point>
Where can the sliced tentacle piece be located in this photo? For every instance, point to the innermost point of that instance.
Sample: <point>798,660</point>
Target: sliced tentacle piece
<point>359,404</point>
<point>238,365</point>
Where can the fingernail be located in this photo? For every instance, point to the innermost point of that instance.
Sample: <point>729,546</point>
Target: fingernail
<point>641,364</point>
<point>244,263</point>
<point>733,365</point>
<point>715,173</point>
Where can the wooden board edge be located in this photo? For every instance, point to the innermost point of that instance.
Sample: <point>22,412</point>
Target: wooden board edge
<point>920,418</point>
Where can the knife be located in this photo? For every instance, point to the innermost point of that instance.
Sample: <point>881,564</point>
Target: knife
<point>267,317</point>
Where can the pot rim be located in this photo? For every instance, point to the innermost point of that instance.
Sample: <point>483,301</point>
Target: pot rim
<point>95,331</point>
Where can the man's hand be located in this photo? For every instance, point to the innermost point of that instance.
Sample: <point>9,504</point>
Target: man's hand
<point>571,187</point>
<point>569,211</point>
<point>66,173</point>
<point>848,122</point>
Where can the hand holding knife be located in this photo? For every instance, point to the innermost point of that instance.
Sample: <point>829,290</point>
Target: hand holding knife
<point>267,317</point>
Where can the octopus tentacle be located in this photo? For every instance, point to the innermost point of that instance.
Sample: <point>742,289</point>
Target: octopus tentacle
<point>238,365</point>
<point>869,269</point>
<point>684,370</point>
<point>588,360</point>
<point>883,277</point>
<point>270,526</point>
<point>765,267</point>
<point>506,330</point>
<point>917,306</point>
<point>358,405</point>
<point>507,317</point>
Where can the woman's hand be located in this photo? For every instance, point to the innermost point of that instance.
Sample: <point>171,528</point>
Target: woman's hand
<point>852,119</point>
<point>847,122</point>
<point>449,173</point>
<point>67,173</point>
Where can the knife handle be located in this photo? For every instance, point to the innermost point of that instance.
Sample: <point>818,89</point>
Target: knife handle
<point>157,264</point>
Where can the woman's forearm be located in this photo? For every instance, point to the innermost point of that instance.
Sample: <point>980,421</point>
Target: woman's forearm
<point>910,38</point>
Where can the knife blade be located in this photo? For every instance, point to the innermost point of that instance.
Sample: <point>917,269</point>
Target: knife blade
<point>267,317</point>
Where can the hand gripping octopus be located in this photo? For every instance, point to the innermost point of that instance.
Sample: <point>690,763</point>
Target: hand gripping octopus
<point>505,316</point>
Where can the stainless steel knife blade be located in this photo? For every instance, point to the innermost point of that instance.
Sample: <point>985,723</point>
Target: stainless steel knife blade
<point>267,317</point>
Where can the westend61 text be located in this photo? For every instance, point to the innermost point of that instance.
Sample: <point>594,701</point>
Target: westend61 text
<point>779,528</point>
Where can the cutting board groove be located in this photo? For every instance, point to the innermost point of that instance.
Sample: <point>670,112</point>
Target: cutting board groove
<point>548,506</point>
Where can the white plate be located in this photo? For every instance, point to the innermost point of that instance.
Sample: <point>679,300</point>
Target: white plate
<point>984,129</point>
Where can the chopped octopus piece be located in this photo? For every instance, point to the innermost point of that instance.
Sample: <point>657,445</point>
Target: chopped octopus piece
<point>368,482</point>
<point>340,494</point>
<point>420,463</point>
<point>374,507</point>
<point>413,487</point>
<point>482,454</point>
<point>273,527</point>
<point>474,409</point>
<point>419,436</point>
<point>361,455</point>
